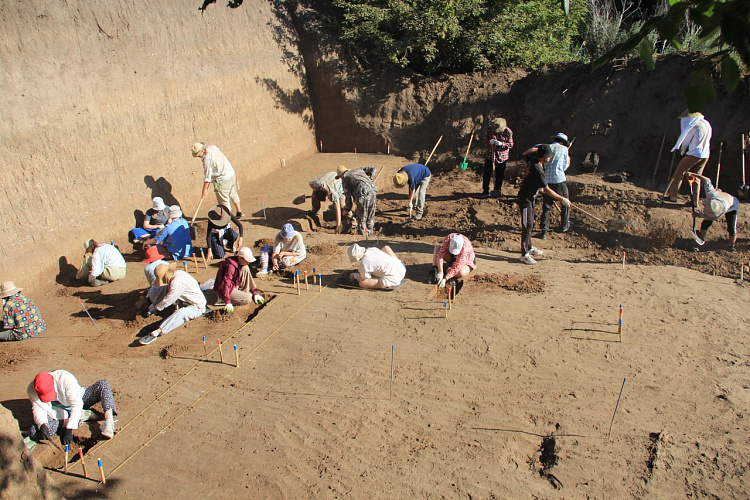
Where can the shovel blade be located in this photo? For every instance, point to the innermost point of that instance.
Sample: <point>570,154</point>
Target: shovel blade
<point>616,224</point>
<point>463,165</point>
<point>299,200</point>
<point>743,192</point>
<point>193,232</point>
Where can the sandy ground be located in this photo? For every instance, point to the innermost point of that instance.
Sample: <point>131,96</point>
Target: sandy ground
<point>511,395</point>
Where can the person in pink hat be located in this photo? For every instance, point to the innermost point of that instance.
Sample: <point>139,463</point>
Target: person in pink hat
<point>60,404</point>
<point>234,284</point>
<point>21,318</point>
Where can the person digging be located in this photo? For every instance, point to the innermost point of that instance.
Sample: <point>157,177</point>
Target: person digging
<point>716,204</point>
<point>377,268</point>
<point>418,177</point>
<point>328,187</point>
<point>452,260</point>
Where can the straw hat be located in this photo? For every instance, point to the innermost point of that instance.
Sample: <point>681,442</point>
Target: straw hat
<point>198,148</point>
<point>561,138</point>
<point>688,114</point>
<point>713,208</point>
<point>219,215</point>
<point>400,179</point>
<point>8,289</point>
<point>164,273</point>
<point>340,171</point>
<point>355,253</point>
<point>499,124</point>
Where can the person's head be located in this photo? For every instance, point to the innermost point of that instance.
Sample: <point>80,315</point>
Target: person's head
<point>198,150</point>
<point>164,273</point>
<point>287,231</point>
<point>175,212</point>
<point>320,194</point>
<point>154,253</point>
<point>90,245</point>
<point>713,208</point>
<point>561,138</point>
<point>9,289</point>
<point>543,152</point>
<point>340,171</point>
<point>498,125</point>
<point>400,179</point>
<point>245,256</point>
<point>44,386</point>
<point>688,114</point>
<point>355,253</point>
<point>219,215</point>
<point>157,204</point>
<point>456,244</point>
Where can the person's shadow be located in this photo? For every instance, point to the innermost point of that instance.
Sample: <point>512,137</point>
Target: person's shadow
<point>67,273</point>
<point>162,188</point>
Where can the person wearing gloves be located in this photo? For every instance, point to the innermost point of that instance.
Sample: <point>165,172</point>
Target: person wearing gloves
<point>359,187</point>
<point>182,287</point>
<point>715,204</point>
<point>328,187</point>
<point>499,141</point>
<point>174,238</point>
<point>377,268</point>
<point>288,250</point>
<point>219,234</point>
<point>218,171</point>
<point>155,219</point>
<point>454,258</point>
<point>21,318</point>
<point>533,182</point>
<point>695,143</point>
<point>554,172</point>
<point>102,263</point>
<point>234,284</point>
<point>418,176</point>
<point>57,398</point>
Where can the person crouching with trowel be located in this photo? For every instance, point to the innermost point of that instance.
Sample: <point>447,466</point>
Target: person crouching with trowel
<point>716,204</point>
<point>533,182</point>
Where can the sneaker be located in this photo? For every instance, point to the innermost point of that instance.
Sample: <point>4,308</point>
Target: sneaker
<point>418,216</point>
<point>147,339</point>
<point>526,259</point>
<point>733,250</point>
<point>543,235</point>
<point>495,194</point>
<point>96,282</point>
<point>220,302</point>
<point>87,415</point>
<point>354,277</point>
<point>108,428</point>
<point>535,252</point>
<point>566,228</point>
<point>262,272</point>
<point>483,196</point>
<point>239,214</point>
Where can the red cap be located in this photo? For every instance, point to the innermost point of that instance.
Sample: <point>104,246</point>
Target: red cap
<point>44,385</point>
<point>154,253</point>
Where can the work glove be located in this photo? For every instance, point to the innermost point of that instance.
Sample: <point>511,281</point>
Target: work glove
<point>44,432</point>
<point>441,283</point>
<point>67,437</point>
<point>229,308</point>
<point>151,310</point>
<point>494,142</point>
<point>411,205</point>
<point>438,276</point>
<point>565,202</point>
<point>258,299</point>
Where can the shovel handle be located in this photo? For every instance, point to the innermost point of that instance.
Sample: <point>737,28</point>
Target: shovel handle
<point>433,150</point>
<point>192,221</point>
<point>471,138</point>
<point>587,213</point>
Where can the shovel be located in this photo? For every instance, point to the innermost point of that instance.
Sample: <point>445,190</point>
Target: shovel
<point>612,224</point>
<point>299,200</point>
<point>744,190</point>
<point>652,182</point>
<point>465,164</point>
<point>695,203</point>
<point>433,151</point>
<point>193,229</point>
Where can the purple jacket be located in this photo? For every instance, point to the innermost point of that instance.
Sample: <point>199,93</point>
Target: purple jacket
<point>228,278</point>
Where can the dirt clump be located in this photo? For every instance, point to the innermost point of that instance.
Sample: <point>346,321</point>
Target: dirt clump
<point>511,282</point>
<point>662,234</point>
<point>218,316</point>
<point>172,350</point>
<point>326,248</point>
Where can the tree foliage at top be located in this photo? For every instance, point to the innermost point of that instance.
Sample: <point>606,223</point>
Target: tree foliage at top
<point>456,36</point>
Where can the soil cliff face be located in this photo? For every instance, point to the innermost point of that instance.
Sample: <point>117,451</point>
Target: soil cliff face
<point>102,101</point>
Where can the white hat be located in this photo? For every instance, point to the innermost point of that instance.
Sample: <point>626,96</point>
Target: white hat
<point>355,253</point>
<point>713,208</point>
<point>8,289</point>
<point>198,149</point>
<point>246,254</point>
<point>456,244</point>
<point>175,212</point>
<point>158,204</point>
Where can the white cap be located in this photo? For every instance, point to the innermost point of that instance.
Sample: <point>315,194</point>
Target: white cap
<point>246,254</point>
<point>456,244</point>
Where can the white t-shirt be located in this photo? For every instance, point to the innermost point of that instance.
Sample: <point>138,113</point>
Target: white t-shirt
<point>69,395</point>
<point>296,245</point>
<point>216,167</point>
<point>378,264</point>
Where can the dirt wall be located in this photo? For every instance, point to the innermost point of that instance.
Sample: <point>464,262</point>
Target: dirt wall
<point>101,102</point>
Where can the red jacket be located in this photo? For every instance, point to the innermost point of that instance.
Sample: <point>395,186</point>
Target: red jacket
<point>228,278</point>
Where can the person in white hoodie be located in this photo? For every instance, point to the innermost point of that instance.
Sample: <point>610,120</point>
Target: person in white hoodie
<point>57,398</point>
<point>182,287</point>
<point>695,144</point>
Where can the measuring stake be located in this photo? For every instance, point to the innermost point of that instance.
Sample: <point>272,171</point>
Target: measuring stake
<point>205,350</point>
<point>619,326</point>
<point>101,470</point>
<point>445,304</point>
<point>315,280</point>
<point>184,264</point>
<point>393,352</point>
<point>389,148</point>
<point>264,207</point>
<point>320,282</point>
<point>220,351</point>
<point>450,302</point>
<point>83,463</point>
<point>195,261</point>
<point>321,146</point>
<point>203,256</point>
<point>236,357</point>
<point>623,261</point>
<point>616,407</point>
<point>87,312</point>
<point>67,448</point>
<point>307,287</point>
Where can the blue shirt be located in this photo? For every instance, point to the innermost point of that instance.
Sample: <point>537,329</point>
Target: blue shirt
<point>554,170</point>
<point>176,237</point>
<point>417,173</point>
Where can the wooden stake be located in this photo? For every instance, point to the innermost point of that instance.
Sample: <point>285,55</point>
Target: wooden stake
<point>184,264</point>
<point>445,304</point>
<point>296,275</point>
<point>195,260</point>
<point>314,277</point>
<point>205,350</point>
<point>101,471</point>
<point>67,448</point>
<point>307,287</point>
<point>83,463</point>
<point>623,261</point>
<point>619,326</point>
<point>393,352</point>
<point>236,357</point>
<point>203,256</point>
<point>616,407</point>
<point>450,302</point>
<point>220,351</point>
<point>320,282</point>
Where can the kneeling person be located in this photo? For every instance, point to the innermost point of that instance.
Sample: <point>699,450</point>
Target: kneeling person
<point>377,268</point>
<point>234,282</point>
<point>455,258</point>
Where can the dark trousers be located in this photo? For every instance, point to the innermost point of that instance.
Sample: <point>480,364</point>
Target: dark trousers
<point>562,190</point>
<point>217,244</point>
<point>527,225</point>
<point>487,175</point>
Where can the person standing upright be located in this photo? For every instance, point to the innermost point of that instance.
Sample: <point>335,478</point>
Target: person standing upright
<point>219,172</point>
<point>499,141</point>
<point>554,173</point>
<point>695,143</point>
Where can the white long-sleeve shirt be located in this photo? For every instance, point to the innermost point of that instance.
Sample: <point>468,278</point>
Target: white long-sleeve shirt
<point>695,137</point>
<point>216,166</point>
<point>185,288</point>
<point>105,255</point>
<point>69,394</point>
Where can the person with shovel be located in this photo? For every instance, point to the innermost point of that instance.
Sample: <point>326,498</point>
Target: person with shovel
<point>328,187</point>
<point>359,187</point>
<point>377,268</point>
<point>695,143</point>
<point>715,204</point>
<point>219,234</point>
<point>554,172</point>
<point>219,172</point>
<point>175,237</point>
<point>531,184</point>
<point>418,176</point>
<point>59,403</point>
<point>499,141</point>
<point>180,287</point>
<point>234,284</point>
